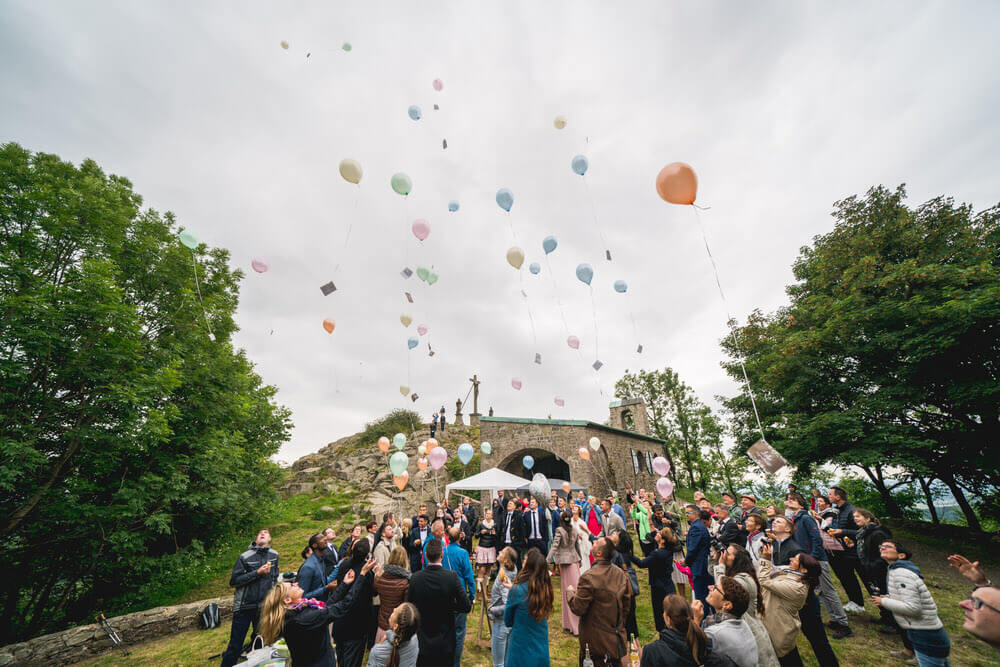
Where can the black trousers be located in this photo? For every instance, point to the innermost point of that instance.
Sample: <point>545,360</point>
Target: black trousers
<point>242,620</point>
<point>847,567</point>
<point>813,629</point>
<point>350,652</point>
<point>791,659</point>
<point>537,544</point>
<point>656,595</point>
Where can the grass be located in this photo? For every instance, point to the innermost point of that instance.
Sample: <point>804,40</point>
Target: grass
<point>867,648</point>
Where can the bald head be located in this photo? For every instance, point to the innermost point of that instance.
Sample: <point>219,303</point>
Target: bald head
<point>454,533</point>
<point>603,549</point>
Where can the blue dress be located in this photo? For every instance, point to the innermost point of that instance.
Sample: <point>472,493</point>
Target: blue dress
<point>528,642</point>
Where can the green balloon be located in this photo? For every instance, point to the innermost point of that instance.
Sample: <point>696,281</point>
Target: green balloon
<point>188,239</point>
<point>398,463</point>
<point>399,440</point>
<point>423,272</point>
<point>486,447</point>
<point>432,277</point>
<point>346,46</point>
<point>401,184</point>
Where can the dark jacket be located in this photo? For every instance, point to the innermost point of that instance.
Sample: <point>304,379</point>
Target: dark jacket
<point>312,579</point>
<point>357,621</point>
<point>845,520</point>
<point>252,588</point>
<point>543,523</point>
<point>867,541</point>
<point>439,595</point>
<point>415,550</point>
<point>660,563</point>
<point>781,554</point>
<point>807,535</point>
<point>471,514</point>
<point>730,533</point>
<point>670,650</point>
<point>698,543</point>
<point>330,559</point>
<point>517,532</point>
<point>306,630</point>
<point>345,548</point>
<point>488,538</point>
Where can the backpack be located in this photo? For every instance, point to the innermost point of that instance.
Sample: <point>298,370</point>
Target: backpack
<point>209,616</point>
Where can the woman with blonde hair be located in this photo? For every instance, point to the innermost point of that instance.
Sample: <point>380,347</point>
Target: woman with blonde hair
<point>400,648</point>
<point>392,581</point>
<point>507,564</point>
<point>305,622</point>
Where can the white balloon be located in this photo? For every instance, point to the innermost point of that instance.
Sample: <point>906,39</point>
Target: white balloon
<point>595,444</point>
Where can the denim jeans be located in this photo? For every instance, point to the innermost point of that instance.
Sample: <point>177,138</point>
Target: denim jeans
<point>930,646</point>
<point>829,596</point>
<point>460,621</point>
<point>242,620</point>
<point>498,644</point>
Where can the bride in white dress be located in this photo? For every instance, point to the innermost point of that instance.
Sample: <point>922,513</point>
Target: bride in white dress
<point>583,544</point>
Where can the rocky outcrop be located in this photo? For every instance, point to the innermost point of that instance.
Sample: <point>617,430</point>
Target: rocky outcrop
<point>87,641</point>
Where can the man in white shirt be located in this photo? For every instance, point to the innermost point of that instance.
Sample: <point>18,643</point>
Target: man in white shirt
<point>536,527</point>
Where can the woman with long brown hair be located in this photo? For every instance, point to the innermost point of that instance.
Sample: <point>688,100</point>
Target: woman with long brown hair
<point>682,642</point>
<point>527,613</point>
<point>392,581</point>
<point>305,622</point>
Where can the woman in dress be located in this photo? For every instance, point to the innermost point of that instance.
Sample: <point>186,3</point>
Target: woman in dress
<point>566,555</point>
<point>486,551</point>
<point>527,613</point>
<point>582,544</point>
<point>507,562</point>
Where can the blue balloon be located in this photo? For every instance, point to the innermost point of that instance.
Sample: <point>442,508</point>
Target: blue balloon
<point>528,462</point>
<point>580,164</point>
<point>585,272</point>
<point>621,286</point>
<point>412,342</point>
<point>505,199</point>
<point>453,205</point>
<point>535,268</point>
<point>549,244</point>
<point>414,112</point>
<point>465,453</point>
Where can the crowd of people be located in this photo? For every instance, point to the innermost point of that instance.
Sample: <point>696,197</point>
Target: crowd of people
<point>401,590</point>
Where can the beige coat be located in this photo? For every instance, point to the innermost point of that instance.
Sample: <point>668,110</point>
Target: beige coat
<point>784,594</point>
<point>564,548</point>
<point>766,657</point>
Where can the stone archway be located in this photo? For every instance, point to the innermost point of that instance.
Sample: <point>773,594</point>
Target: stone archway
<point>546,462</point>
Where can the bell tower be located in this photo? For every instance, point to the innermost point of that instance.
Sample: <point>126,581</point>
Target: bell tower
<point>630,415</point>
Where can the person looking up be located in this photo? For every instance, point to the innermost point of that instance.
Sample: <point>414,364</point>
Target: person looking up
<point>602,602</point>
<point>253,576</point>
<point>982,609</point>
<point>729,633</point>
<point>438,595</point>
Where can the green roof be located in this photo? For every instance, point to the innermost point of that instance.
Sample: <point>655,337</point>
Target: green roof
<point>571,422</point>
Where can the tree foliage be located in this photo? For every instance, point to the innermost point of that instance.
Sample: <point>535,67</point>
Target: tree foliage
<point>127,435</point>
<point>888,354</point>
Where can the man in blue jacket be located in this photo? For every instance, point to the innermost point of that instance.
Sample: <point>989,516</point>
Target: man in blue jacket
<point>456,559</point>
<point>698,544</point>
<point>255,573</point>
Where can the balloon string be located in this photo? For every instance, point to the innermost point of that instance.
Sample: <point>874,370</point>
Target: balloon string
<point>197,287</point>
<point>527,303</point>
<point>593,306</point>
<point>631,314</point>
<point>350,225</point>
<point>730,323</point>
<point>555,288</point>
<point>593,212</point>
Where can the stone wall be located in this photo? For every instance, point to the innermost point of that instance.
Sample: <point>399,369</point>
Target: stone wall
<point>87,641</point>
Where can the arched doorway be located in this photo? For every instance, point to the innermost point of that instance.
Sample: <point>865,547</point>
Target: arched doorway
<point>546,463</point>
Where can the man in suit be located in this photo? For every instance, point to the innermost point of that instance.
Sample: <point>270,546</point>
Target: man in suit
<point>330,556</point>
<point>611,523</point>
<point>438,595</point>
<point>457,560</point>
<point>464,530</point>
<point>512,529</point>
<point>698,544</point>
<point>729,530</point>
<point>536,527</point>
<point>422,511</point>
<point>470,512</point>
<point>415,541</point>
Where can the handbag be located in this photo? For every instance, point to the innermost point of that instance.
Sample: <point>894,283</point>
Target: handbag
<point>265,656</point>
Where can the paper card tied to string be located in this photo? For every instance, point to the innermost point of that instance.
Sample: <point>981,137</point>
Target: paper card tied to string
<point>538,358</point>
<point>328,288</point>
<point>597,365</point>
<point>408,297</point>
<point>607,253</point>
<point>435,107</point>
<point>638,350</point>
<point>444,143</point>
<point>406,272</point>
<point>430,352</point>
<point>767,457</point>
<point>414,396</point>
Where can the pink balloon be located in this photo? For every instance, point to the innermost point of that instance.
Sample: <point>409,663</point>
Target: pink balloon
<point>438,456</point>
<point>422,329</point>
<point>421,228</point>
<point>560,401</point>
<point>573,342</point>
<point>259,264</point>
<point>661,466</point>
<point>437,84</point>
<point>516,383</point>
<point>664,487</point>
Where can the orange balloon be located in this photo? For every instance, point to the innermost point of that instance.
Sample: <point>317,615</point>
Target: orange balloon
<point>584,453</point>
<point>422,464</point>
<point>328,324</point>
<point>566,487</point>
<point>677,183</point>
<point>431,444</point>
<point>383,443</point>
<point>401,480</point>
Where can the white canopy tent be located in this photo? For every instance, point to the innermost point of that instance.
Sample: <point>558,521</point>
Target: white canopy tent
<point>492,480</point>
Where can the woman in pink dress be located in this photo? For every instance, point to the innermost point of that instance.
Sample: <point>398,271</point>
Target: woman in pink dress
<point>565,554</point>
<point>593,523</point>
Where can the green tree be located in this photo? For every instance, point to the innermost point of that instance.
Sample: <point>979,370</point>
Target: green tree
<point>127,433</point>
<point>887,355</point>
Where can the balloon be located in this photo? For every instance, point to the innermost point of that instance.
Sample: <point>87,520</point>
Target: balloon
<point>584,453</point>
<point>573,342</point>
<point>516,383</point>
<point>401,184</point>
<point>188,240</point>
<point>540,488</point>
<point>585,273</point>
<point>284,45</point>
<point>259,264</point>
<point>580,164</point>
<point>422,463</point>
<point>549,244</point>
<point>423,272</point>
<point>560,401</point>
<point>567,487</point>
<point>399,441</point>
<point>401,480</point>
<point>661,466</point>
<point>595,444</point>
<point>535,268</point>
<point>559,122</point>
<point>414,112</point>
<point>486,448</point>
<point>421,329</point>
<point>398,463</point>
<point>431,444</point>
<point>404,390</point>
<point>406,319</point>
<point>664,487</point>
<point>437,85</point>
<point>432,277</point>
<point>465,453</point>
<point>437,457</point>
<point>528,462</point>
<point>412,342</point>
<point>346,46</point>
<point>677,183</point>
<point>453,205</point>
<point>351,170</point>
<point>422,448</point>
<point>621,286</point>
<point>515,257</point>
<point>421,228</point>
<point>505,199</point>
<point>329,325</point>
<point>383,443</point>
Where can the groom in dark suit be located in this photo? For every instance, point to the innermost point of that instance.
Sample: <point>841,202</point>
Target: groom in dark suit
<point>439,595</point>
<point>536,527</point>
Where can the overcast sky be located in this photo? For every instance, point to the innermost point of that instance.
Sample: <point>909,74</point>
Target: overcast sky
<point>782,108</point>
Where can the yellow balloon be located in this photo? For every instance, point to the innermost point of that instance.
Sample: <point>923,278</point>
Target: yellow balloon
<point>559,122</point>
<point>406,319</point>
<point>515,257</point>
<point>350,170</point>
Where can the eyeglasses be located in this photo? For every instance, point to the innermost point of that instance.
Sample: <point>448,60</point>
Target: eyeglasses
<point>979,604</point>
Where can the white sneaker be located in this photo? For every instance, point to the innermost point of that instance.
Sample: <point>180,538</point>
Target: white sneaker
<point>853,608</point>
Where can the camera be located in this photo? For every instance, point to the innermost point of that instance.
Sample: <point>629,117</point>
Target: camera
<point>289,577</point>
